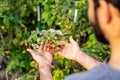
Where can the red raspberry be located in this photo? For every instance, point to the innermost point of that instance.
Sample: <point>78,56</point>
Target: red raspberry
<point>50,49</point>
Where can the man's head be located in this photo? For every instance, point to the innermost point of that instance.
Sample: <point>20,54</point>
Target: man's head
<point>104,16</point>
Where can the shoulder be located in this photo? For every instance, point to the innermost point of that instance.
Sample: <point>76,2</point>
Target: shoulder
<point>92,74</point>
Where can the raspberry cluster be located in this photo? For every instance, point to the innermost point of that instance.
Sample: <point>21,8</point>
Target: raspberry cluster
<point>52,38</point>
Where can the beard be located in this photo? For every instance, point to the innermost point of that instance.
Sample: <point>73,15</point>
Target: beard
<point>98,32</point>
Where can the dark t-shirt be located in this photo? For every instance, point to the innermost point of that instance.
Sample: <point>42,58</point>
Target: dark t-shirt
<point>100,72</point>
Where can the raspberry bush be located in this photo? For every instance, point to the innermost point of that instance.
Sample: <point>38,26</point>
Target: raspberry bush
<point>18,22</point>
<point>50,37</point>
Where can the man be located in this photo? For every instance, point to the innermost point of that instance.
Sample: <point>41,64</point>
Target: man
<point>105,18</point>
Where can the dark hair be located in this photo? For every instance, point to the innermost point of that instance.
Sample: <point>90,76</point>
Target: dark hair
<point>116,3</point>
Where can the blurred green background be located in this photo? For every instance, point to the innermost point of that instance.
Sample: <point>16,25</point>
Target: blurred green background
<point>19,17</point>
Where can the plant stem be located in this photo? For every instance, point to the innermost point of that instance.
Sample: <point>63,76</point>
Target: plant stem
<point>1,36</point>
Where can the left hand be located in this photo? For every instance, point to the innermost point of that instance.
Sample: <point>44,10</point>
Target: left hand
<point>70,50</point>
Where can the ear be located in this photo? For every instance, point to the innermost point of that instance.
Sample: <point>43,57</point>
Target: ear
<point>104,12</point>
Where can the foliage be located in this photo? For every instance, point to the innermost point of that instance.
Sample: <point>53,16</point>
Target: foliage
<point>29,76</point>
<point>50,37</point>
<point>19,18</point>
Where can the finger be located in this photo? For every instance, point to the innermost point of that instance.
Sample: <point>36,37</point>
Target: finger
<point>64,46</point>
<point>62,52</point>
<point>63,42</point>
<point>31,52</point>
<point>67,45</point>
<point>41,46</point>
<point>45,46</point>
<point>34,55</point>
<point>72,40</point>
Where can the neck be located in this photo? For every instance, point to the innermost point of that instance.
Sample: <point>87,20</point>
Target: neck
<point>115,55</point>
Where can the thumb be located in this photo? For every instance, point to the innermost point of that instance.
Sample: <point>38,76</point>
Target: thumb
<point>72,40</point>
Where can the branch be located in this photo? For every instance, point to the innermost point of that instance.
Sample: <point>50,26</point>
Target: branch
<point>1,36</point>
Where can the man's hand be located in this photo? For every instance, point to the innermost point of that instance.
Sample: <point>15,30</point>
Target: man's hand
<point>42,57</point>
<point>70,50</point>
<point>44,60</point>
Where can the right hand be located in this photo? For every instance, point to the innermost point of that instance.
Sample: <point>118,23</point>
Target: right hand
<point>42,56</point>
<point>70,50</point>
